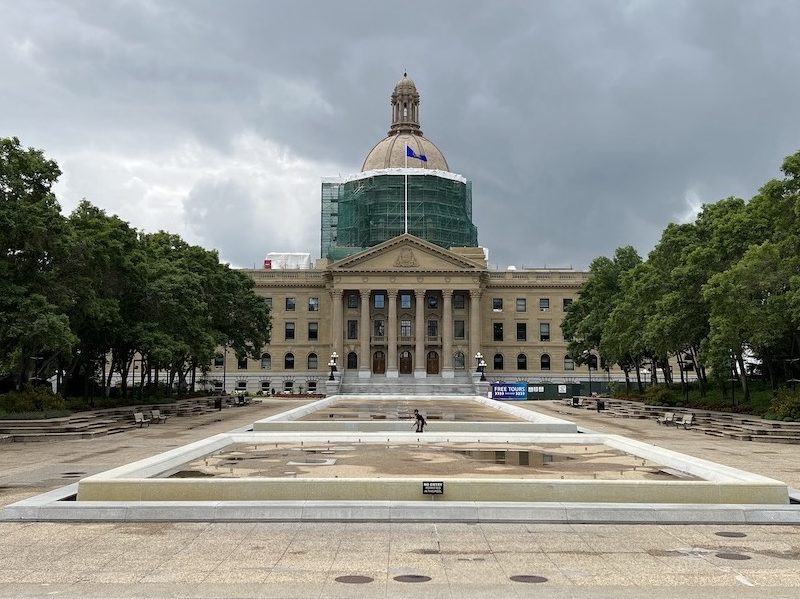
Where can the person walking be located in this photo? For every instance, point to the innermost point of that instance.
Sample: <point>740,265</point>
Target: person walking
<point>420,421</point>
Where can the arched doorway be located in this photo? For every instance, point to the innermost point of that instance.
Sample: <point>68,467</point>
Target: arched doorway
<point>405,362</point>
<point>432,363</point>
<point>379,363</point>
<point>352,360</point>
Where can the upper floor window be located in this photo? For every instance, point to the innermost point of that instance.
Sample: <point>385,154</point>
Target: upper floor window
<point>379,301</point>
<point>522,331</point>
<point>266,361</point>
<point>352,329</point>
<point>433,328</point>
<point>544,304</point>
<point>459,301</point>
<point>569,363</point>
<point>241,363</point>
<point>567,303</point>
<point>290,303</point>
<point>313,304</point>
<point>498,362</point>
<point>405,328</point>
<point>313,361</point>
<point>219,361</point>
<point>459,329</point>
<point>497,304</point>
<point>288,361</point>
<point>522,304</point>
<point>433,302</point>
<point>352,300</point>
<point>545,362</point>
<point>405,301</point>
<point>379,329</point>
<point>268,301</point>
<point>522,362</point>
<point>313,331</point>
<point>288,332</point>
<point>544,331</point>
<point>497,329</point>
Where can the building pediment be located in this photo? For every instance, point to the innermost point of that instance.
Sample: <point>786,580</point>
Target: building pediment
<point>405,253</point>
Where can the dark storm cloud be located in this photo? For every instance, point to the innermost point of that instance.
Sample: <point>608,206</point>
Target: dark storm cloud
<point>583,125</point>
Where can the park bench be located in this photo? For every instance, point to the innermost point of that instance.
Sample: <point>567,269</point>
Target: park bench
<point>157,417</point>
<point>667,418</point>
<point>138,418</point>
<point>686,421</point>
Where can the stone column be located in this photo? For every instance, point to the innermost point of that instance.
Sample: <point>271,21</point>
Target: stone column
<point>474,327</point>
<point>447,334</point>
<point>419,335</point>
<point>336,328</point>
<point>392,371</point>
<point>364,359</point>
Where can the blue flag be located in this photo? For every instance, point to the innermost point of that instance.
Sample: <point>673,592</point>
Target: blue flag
<point>412,154</point>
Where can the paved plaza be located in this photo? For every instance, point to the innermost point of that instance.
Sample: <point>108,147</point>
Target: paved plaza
<point>341,560</point>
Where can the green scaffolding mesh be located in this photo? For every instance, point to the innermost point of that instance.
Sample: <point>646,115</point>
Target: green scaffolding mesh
<point>371,210</point>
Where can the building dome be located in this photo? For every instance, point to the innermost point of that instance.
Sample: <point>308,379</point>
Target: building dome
<point>390,152</point>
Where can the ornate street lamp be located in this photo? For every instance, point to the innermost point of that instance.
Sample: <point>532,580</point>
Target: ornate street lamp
<point>334,357</point>
<point>482,368</point>
<point>332,366</point>
<point>478,360</point>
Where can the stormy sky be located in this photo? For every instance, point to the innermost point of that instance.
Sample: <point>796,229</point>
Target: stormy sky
<point>583,125</point>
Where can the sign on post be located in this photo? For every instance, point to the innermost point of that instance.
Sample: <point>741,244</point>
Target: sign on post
<point>432,488</point>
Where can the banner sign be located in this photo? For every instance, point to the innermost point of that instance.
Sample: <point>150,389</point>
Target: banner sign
<point>432,488</point>
<point>509,390</point>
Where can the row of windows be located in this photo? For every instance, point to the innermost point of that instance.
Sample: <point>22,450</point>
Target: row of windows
<point>312,362</point>
<point>522,362</point>
<point>522,331</point>
<point>522,304</point>
<point>267,388</point>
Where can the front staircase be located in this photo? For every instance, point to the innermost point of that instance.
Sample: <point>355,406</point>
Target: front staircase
<point>406,384</point>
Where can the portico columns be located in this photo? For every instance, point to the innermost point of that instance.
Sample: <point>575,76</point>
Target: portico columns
<point>336,325</point>
<point>391,367</point>
<point>447,334</point>
<point>474,324</point>
<point>364,360</point>
<point>419,335</point>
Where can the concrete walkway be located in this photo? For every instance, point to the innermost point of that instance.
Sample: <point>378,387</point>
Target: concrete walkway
<point>437,560</point>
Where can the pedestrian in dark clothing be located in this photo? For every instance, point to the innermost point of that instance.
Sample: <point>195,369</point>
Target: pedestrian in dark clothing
<point>420,421</point>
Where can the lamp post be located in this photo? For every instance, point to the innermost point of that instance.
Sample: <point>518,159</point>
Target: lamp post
<point>482,368</point>
<point>334,357</point>
<point>478,360</point>
<point>332,366</point>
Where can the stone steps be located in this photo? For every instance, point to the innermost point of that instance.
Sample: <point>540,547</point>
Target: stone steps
<point>407,385</point>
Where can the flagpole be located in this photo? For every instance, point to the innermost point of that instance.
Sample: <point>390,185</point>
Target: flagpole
<point>405,202</point>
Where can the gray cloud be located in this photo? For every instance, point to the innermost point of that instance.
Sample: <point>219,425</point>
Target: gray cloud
<point>583,125</point>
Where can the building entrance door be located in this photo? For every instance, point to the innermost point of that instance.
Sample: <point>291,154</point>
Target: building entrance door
<point>432,363</point>
<point>405,362</point>
<point>352,360</point>
<point>379,363</point>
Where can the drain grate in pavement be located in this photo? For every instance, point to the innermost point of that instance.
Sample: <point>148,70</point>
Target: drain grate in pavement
<point>354,579</point>
<point>412,578</point>
<point>730,535</point>
<point>527,578</point>
<point>734,556</point>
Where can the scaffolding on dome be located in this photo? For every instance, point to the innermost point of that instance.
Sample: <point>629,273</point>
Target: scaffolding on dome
<point>371,210</point>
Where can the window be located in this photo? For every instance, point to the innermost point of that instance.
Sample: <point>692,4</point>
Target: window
<point>312,386</point>
<point>352,360</point>
<point>497,304</point>
<point>405,328</point>
<point>288,331</point>
<point>405,301</point>
<point>459,301</point>
<point>266,362</point>
<point>218,385</point>
<point>352,300</point>
<point>219,361</point>
<point>241,363</point>
<point>287,386</point>
<point>290,303</point>
<point>433,328</point>
<point>592,362</point>
<point>458,329</point>
<point>352,329</point>
<point>268,301</point>
<point>569,363</point>
<point>379,301</point>
<point>241,385</point>
<point>544,331</point>
<point>545,362</point>
<point>498,331</point>
<point>522,362</point>
<point>264,386</point>
<point>544,304</point>
<point>288,361</point>
<point>313,304</point>
<point>379,328</point>
<point>522,331</point>
<point>458,361</point>
<point>522,304</point>
<point>313,361</point>
<point>498,362</point>
<point>567,303</point>
<point>433,302</point>
<point>313,331</point>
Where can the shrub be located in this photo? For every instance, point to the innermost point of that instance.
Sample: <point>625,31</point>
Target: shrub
<point>785,406</point>
<point>661,396</point>
<point>31,399</point>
